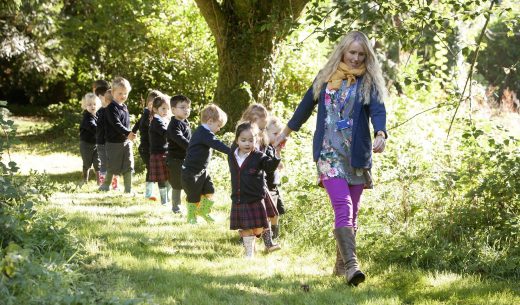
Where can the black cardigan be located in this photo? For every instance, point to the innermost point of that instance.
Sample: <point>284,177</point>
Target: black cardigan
<point>247,181</point>
<point>157,134</point>
<point>143,125</point>
<point>100,128</point>
<point>87,128</point>
<point>117,123</point>
<point>179,135</point>
<point>198,153</point>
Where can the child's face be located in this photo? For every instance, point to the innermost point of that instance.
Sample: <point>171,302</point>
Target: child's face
<point>246,141</point>
<point>163,110</point>
<point>120,94</point>
<point>181,111</point>
<point>272,133</point>
<point>91,107</point>
<point>261,122</point>
<point>214,126</point>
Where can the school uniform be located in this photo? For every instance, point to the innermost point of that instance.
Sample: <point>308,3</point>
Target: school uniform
<point>273,181</point>
<point>143,126</point>
<point>100,140</point>
<point>158,149</point>
<point>178,136</point>
<point>248,191</point>
<point>120,158</point>
<point>195,178</point>
<point>87,144</point>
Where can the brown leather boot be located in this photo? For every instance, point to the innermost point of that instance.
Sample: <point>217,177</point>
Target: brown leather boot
<point>346,241</point>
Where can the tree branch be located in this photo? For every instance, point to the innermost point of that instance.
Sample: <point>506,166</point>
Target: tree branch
<point>215,17</point>
<point>470,72</point>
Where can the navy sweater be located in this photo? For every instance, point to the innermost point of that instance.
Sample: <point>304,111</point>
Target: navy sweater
<point>247,181</point>
<point>361,147</point>
<point>100,128</point>
<point>157,134</point>
<point>270,177</point>
<point>117,123</point>
<point>198,153</point>
<point>179,135</point>
<point>143,125</point>
<point>87,128</point>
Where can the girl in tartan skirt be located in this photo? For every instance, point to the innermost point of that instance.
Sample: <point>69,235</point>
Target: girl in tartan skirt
<point>257,114</point>
<point>159,120</point>
<point>248,192</point>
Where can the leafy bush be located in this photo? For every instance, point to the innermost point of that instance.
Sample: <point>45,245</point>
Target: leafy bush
<point>38,255</point>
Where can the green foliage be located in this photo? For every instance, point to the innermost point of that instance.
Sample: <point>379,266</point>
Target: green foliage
<point>157,44</point>
<point>499,62</point>
<point>38,255</point>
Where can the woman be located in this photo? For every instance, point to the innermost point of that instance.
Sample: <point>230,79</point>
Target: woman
<point>349,91</point>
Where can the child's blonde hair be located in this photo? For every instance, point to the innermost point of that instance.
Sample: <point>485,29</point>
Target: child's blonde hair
<point>213,112</point>
<point>275,124</point>
<point>119,82</point>
<point>88,98</point>
<point>254,112</point>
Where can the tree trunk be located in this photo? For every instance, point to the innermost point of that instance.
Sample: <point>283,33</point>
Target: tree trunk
<point>248,34</point>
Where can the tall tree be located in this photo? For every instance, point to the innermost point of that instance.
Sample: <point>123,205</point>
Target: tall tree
<point>248,34</point>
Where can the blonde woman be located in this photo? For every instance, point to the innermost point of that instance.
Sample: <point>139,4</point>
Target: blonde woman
<point>348,91</point>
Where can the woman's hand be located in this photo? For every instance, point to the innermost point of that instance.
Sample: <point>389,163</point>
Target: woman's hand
<point>379,143</point>
<point>280,140</point>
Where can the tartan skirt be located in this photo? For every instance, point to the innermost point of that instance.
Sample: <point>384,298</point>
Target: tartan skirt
<point>158,168</point>
<point>248,216</point>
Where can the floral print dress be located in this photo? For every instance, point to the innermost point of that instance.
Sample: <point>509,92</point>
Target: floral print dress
<point>335,155</point>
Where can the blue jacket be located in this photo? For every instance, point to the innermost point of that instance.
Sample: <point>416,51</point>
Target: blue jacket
<point>361,147</point>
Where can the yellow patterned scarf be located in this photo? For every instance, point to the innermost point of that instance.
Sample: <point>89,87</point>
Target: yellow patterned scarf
<point>344,72</point>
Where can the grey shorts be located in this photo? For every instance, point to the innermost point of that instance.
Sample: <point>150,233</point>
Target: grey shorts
<point>120,157</point>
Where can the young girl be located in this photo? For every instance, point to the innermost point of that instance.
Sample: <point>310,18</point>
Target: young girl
<point>273,129</point>
<point>159,120</point>
<point>247,166</point>
<point>87,134</point>
<point>257,114</point>
<point>143,125</point>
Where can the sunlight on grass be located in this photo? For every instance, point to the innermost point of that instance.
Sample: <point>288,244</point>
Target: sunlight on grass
<point>136,248</point>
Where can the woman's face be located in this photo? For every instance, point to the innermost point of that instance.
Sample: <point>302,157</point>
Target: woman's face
<point>354,55</point>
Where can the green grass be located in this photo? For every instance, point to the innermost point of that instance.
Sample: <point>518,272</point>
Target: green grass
<point>134,248</point>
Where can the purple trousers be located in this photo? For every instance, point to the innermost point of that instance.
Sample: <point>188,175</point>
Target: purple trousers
<point>345,201</point>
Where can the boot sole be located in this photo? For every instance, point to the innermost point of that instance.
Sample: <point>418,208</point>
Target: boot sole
<point>357,278</point>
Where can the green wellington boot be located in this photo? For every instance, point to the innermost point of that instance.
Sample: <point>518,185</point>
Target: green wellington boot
<point>205,209</point>
<point>192,213</point>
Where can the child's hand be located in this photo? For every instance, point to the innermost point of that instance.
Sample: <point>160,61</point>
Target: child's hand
<point>277,151</point>
<point>131,136</point>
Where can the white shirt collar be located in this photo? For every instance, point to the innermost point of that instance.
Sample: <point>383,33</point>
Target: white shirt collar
<point>239,159</point>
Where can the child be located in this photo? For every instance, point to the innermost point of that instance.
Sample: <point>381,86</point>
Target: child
<point>118,136</point>
<point>258,114</point>
<point>87,134</point>
<point>159,119</point>
<point>143,125</point>
<point>101,91</point>
<point>196,181</point>
<point>179,135</point>
<point>273,129</point>
<point>247,166</point>
<point>100,83</point>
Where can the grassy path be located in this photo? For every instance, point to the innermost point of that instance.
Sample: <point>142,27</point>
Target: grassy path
<point>138,249</point>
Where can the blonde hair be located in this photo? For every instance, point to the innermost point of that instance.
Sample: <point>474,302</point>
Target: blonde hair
<point>274,123</point>
<point>119,82</point>
<point>251,115</point>
<point>373,78</point>
<point>213,112</point>
<point>90,97</point>
<point>254,112</point>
